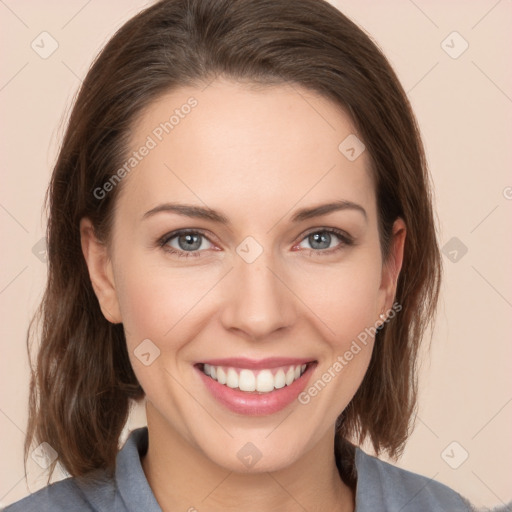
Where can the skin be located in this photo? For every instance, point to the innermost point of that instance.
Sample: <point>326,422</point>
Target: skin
<point>257,155</point>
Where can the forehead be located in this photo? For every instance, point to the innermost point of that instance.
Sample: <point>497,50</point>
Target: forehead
<point>245,146</point>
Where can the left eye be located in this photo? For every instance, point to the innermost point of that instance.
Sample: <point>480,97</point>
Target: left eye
<point>322,239</point>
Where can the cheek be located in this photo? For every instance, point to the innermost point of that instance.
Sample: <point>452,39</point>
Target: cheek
<point>154,308</point>
<point>155,302</point>
<point>152,297</point>
<point>344,297</point>
<point>346,306</point>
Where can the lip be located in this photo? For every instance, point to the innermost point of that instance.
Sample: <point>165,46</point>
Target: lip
<point>254,403</point>
<point>257,364</point>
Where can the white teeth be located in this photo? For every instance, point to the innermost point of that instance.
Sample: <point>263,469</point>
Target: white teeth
<point>232,378</point>
<point>247,381</point>
<point>290,376</point>
<point>221,375</point>
<point>279,380</point>
<point>263,381</point>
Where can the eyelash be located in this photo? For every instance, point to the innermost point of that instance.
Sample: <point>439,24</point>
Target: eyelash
<point>346,241</point>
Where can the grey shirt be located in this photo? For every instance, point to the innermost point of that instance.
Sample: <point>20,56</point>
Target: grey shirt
<point>380,487</point>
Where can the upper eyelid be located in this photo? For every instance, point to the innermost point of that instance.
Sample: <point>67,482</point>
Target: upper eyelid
<point>343,236</point>
<point>186,231</point>
<point>336,231</point>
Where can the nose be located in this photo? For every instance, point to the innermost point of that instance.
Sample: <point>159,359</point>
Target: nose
<point>260,300</point>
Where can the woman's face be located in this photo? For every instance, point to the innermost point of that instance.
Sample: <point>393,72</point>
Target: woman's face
<point>261,269</point>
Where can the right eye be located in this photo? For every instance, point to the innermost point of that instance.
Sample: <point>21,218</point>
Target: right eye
<point>184,243</point>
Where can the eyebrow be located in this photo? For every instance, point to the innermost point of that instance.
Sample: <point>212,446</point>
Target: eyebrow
<point>200,212</point>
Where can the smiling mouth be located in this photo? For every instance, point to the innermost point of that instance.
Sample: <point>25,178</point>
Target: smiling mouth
<point>259,381</point>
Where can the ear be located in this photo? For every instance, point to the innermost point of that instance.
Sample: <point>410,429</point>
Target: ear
<point>100,271</point>
<point>391,268</point>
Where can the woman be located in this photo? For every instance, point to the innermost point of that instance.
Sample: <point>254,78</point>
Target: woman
<point>240,233</point>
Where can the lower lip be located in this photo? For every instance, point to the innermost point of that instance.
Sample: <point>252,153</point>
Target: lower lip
<point>254,403</point>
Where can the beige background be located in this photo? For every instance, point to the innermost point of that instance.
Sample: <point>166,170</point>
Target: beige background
<point>464,108</point>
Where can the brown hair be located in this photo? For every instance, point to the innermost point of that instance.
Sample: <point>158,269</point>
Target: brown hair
<point>83,384</point>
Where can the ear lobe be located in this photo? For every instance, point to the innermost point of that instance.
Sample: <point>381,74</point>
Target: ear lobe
<point>99,265</point>
<point>391,268</point>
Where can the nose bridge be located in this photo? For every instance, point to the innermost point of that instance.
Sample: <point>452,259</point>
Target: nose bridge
<point>259,303</point>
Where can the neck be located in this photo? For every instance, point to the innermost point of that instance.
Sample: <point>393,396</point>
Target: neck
<point>183,478</point>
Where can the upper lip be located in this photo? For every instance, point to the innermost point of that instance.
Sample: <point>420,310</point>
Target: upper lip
<point>258,364</point>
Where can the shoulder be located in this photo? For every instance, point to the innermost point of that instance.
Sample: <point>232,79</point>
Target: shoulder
<point>78,495</point>
<point>56,497</point>
<point>97,491</point>
<point>382,486</point>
